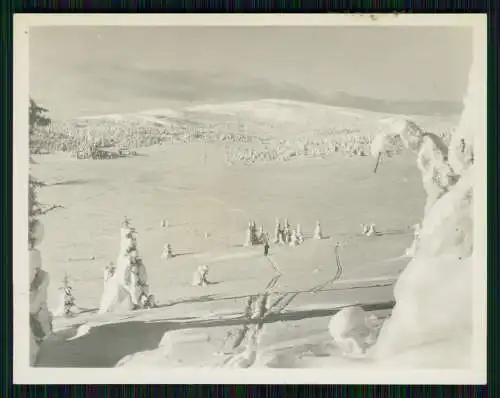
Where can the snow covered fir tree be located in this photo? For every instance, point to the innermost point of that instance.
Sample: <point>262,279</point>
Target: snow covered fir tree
<point>37,119</point>
<point>299,234</point>
<point>40,316</point>
<point>252,237</point>
<point>318,232</point>
<point>128,288</point>
<point>67,304</point>
<point>437,280</point>
<point>431,324</point>
<point>200,276</point>
<point>167,252</point>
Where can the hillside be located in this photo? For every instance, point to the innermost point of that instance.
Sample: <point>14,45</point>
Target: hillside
<point>271,113</point>
<point>265,130</point>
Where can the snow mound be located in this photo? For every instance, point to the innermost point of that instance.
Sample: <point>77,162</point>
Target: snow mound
<point>431,324</point>
<point>352,330</point>
<point>40,316</point>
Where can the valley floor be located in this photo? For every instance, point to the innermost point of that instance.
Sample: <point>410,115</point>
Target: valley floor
<point>208,206</point>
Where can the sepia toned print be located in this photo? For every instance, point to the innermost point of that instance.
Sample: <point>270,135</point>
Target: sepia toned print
<point>254,197</point>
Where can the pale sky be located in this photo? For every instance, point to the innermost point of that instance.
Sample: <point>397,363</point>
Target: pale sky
<point>76,71</point>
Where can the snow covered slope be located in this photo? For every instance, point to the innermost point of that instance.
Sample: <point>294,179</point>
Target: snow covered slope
<point>432,322</point>
<point>264,118</point>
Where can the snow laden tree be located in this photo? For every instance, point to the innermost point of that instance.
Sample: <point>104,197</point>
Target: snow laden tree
<point>40,316</point>
<point>432,324</point>
<point>318,232</point>
<point>128,288</point>
<point>37,119</point>
<point>67,305</point>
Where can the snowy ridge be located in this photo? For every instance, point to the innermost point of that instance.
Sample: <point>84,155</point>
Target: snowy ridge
<point>291,116</point>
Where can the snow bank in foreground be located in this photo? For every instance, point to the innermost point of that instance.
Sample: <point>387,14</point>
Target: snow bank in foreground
<point>431,324</point>
<point>434,293</point>
<point>40,316</point>
<point>353,330</point>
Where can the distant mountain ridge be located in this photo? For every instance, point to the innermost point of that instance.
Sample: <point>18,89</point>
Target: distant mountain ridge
<point>264,118</point>
<point>183,88</point>
<point>339,99</point>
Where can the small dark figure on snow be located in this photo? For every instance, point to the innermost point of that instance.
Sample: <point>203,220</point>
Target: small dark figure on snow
<point>265,241</point>
<point>266,248</point>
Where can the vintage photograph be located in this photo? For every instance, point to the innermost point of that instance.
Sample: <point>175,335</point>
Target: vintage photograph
<point>251,197</point>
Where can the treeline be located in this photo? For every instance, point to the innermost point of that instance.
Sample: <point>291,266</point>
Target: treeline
<point>59,137</point>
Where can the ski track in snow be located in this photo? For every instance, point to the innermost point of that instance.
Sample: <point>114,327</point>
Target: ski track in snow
<point>203,310</point>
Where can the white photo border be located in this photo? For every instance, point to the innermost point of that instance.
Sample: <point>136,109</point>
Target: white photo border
<point>24,374</point>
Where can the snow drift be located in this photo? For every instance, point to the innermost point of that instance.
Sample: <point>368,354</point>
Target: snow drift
<point>431,324</point>
<point>40,316</point>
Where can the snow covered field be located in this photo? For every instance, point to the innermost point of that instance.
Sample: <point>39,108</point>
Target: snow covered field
<point>208,205</point>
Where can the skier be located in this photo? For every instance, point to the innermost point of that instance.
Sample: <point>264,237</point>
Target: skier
<point>266,245</point>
